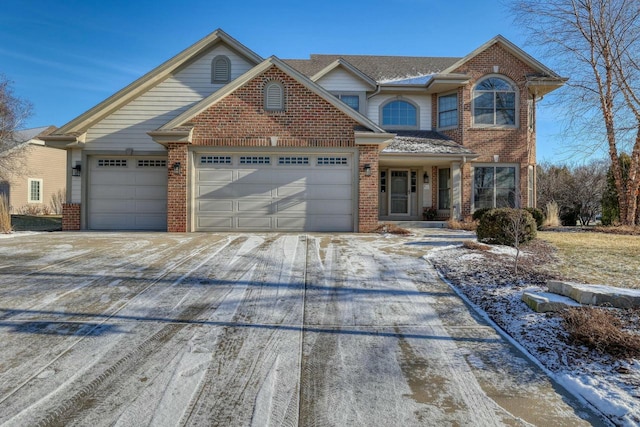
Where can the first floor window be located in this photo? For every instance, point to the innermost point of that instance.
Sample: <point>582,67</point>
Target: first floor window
<point>444,188</point>
<point>494,187</point>
<point>35,191</point>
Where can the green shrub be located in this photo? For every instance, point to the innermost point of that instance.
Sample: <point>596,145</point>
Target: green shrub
<point>569,217</point>
<point>479,213</point>
<point>537,215</point>
<point>502,226</point>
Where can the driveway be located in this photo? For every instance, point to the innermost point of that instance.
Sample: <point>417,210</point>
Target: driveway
<point>163,329</point>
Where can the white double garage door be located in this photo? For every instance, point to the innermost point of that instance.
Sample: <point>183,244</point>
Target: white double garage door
<point>274,191</point>
<point>230,191</point>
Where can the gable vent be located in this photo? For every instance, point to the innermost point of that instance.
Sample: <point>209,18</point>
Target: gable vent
<point>220,69</point>
<point>274,97</point>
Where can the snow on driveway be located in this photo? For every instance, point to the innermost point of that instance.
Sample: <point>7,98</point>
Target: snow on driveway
<point>162,329</point>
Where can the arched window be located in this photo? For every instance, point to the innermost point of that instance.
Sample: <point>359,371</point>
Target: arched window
<point>399,114</point>
<point>274,96</point>
<point>494,103</point>
<point>220,69</point>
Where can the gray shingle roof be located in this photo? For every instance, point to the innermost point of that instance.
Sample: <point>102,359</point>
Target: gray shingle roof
<point>379,68</point>
<point>424,142</point>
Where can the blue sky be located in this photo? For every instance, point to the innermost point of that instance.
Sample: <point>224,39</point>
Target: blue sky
<point>65,56</point>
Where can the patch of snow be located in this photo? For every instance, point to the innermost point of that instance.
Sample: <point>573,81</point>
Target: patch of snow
<point>18,234</point>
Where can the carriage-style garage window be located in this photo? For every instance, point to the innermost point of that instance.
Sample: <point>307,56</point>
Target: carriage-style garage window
<point>274,96</point>
<point>494,103</point>
<point>399,114</point>
<point>220,69</point>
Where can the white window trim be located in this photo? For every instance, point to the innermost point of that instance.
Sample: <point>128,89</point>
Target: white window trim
<point>40,188</point>
<point>495,165</point>
<point>455,92</point>
<point>399,127</point>
<point>516,107</point>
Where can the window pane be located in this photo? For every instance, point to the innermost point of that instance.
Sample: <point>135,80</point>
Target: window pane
<point>483,198</point>
<point>483,177</point>
<point>506,177</point>
<point>448,110</point>
<point>505,198</point>
<point>444,201</point>
<point>399,113</point>
<point>352,101</point>
<point>494,83</point>
<point>484,100</point>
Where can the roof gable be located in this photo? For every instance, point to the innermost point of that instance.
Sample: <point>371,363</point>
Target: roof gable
<point>345,65</point>
<point>154,77</point>
<point>184,118</point>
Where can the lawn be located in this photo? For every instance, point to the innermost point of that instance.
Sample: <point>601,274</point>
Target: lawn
<point>597,258</point>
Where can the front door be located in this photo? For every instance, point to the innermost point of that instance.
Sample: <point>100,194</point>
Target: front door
<point>399,194</point>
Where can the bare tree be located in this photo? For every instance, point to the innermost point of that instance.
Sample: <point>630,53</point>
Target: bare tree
<point>588,185</point>
<point>13,113</point>
<point>597,43</point>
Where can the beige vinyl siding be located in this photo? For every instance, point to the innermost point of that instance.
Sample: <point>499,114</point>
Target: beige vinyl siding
<point>128,127</point>
<point>76,182</point>
<point>422,101</point>
<point>341,80</point>
<point>42,163</point>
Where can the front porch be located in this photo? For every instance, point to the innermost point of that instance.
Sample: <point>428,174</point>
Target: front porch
<point>421,172</point>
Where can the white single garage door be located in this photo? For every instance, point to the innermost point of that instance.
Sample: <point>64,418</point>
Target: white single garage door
<point>274,192</point>
<point>127,193</point>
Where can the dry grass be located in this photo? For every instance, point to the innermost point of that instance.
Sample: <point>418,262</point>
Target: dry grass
<point>469,225</point>
<point>473,245</point>
<point>5,216</point>
<point>553,215</point>
<point>391,229</point>
<point>597,258</point>
<point>600,329</point>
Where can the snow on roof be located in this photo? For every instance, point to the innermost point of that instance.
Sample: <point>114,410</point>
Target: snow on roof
<point>427,142</point>
<point>415,80</point>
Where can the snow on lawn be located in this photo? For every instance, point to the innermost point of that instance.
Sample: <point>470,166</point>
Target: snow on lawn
<point>486,280</point>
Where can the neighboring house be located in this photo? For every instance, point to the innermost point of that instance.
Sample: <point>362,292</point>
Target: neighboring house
<point>218,138</point>
<point>40,173</point>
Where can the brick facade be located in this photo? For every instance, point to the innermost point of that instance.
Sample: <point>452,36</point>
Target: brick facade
<point>71,216</point>
<point>512,145</point>
<point>239,120</point>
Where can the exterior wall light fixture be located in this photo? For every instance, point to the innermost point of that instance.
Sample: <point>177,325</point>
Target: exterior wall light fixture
<point>425,178</point>
<point>367,169</point>
<point>75,171</point>
<point>177,168</point>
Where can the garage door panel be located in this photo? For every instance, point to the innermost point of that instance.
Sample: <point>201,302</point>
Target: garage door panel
<point>150,206</point>
<point>217,176</point>
<point>290,191</point>
<point>330,177</point>
<point>151,179</point>
<point>215,222</point>
<point>264,206</point>
<point>291,177</point>
<point>150,222</point>
<point>330,192</point>
<point>291,223</point>
<point>112,177</point>
<point>255,176</point>
<point>292,205</point>
<point>238,190</point>
<point>105,206</point>
<point>112,192</point>
<point>255,223</point>
<point>151,192</point>
<point>215,206</point>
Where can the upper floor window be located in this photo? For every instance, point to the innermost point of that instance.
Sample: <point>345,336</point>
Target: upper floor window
<point>352,101</point>
<point>220,69</point>
<point>448,110</point>
<point>274,96</point>
<point>494,103</point>
<point>400,114</point>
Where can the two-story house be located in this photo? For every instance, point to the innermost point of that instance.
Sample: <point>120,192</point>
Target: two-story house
<point>218,138</point>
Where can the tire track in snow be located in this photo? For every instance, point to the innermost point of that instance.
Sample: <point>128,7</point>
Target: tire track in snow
<point>63,409</point>
<point>248,362</point>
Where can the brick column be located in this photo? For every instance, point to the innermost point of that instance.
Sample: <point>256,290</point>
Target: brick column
<point>70,216</point>
<point>177,213</point>
<point>368,207</point>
